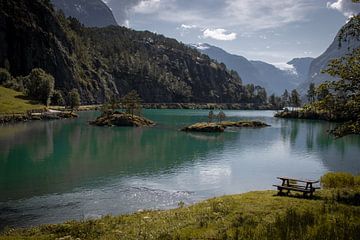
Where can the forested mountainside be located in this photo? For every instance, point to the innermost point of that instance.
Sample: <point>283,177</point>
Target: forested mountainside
<point>100,62</point>
<point>92,13</point>
<point>347,39</point>
<point>275,80</point>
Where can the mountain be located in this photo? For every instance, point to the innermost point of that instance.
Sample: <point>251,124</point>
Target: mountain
<point>275,80</point>
<point>237,63</point>
<point>347,39</point>
<point>301,67</point>
<point>100,62</point>
<point>92,13</point>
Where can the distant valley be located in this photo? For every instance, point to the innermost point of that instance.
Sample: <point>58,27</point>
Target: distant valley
<point>275,80</point>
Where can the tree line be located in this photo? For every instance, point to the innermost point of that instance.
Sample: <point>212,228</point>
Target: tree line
<point>39,86</point>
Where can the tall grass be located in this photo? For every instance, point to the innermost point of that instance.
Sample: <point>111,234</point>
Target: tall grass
<point>340,180</point>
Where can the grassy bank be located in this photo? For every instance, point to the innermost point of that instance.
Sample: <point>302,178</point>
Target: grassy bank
<point>253,215</point>
<point>13,102</point>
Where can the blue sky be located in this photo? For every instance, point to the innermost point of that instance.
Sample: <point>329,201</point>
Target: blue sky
<point>274,31</point>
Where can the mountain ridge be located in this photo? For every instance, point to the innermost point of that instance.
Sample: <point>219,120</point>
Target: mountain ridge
<point>274,79</point>
<point>346,40</point>
<point>91,13</point>
<point>159,68</point>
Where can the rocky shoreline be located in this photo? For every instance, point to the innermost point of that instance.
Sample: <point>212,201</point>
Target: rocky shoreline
<point>208,106</point>
<point>15,118</point>
<point>221,126</point>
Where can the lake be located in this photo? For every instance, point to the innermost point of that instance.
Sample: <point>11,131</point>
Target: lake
<point>53,171</point>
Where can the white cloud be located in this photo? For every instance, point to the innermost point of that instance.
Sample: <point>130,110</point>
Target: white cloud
<point>147,6</point>
<point>265,14</point>
<point>250,15</point>
<point>219,34</point>
<point>184,26</point>
<point>346,7</point>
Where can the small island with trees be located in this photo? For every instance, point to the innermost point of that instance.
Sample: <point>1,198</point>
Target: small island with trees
<point>220,125</point>
<point>131,103</point>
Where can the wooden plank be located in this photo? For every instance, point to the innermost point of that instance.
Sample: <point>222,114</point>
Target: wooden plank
<point>298,180</point>
<point>299,189</point>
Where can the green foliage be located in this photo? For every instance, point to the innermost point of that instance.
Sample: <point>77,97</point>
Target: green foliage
<point>337,100</point>
<point>5,76</point>
<point>221,116</point>
<point>39,85</point>
<point>276,102</point>
<point>131,102</point>
<point>74,99</point>
<point>211,116</point>
<point>295,100</point>
<point>285,98</point>
<point>339,180</point>
<point>57,98</point>
<point>311,93</point>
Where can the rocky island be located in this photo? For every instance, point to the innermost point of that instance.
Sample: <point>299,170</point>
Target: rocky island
<point>221,126</point>
<point>122,120</point>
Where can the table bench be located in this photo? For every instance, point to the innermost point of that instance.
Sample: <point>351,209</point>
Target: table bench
<point>291,184</point>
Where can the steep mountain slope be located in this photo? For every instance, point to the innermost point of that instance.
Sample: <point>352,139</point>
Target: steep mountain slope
<point>92,13</point>
<point>347,39</point>
<point>261,73</point>
<point>104,61</point>
<point>238,63</point>
<point>31,36</point>
<point>278,80</point>
<point>301,67</point>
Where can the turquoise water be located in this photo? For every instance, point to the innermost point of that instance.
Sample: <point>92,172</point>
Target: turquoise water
<point>59,170</point>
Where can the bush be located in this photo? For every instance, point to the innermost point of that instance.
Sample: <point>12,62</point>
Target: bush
<point>339,180</point>
<point>57,98</point>
<point>74,99</point>
<point>5,76</point>
<point>39,85</point>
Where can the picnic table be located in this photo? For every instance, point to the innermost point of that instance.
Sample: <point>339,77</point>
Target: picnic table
<point>292,184</point>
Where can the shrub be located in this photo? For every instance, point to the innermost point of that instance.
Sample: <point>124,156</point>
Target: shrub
<point>74,99</point>
<point>57,98</point>
<point>39,85</point>
<point>5,76</point>
<point>338,180</point>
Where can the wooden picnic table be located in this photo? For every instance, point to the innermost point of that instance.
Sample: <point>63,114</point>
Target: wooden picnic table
<point>292,184</point>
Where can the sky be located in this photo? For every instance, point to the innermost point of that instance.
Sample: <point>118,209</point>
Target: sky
<point>274,31</point>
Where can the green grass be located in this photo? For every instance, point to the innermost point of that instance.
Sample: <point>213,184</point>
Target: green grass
<point>253,215</point>
<point>13,102</point>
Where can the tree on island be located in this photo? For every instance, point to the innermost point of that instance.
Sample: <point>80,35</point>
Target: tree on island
<point>131,103</point>
<point>211,116</point>
<point>295,100</point>
<point>311,93</point>
<point>74,99</point>
<point>221,116</point>
<point>39,86</point>
<point>113,102</point>
<point>285,98</point>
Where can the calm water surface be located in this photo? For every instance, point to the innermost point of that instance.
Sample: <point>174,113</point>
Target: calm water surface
<point>59,170</point>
